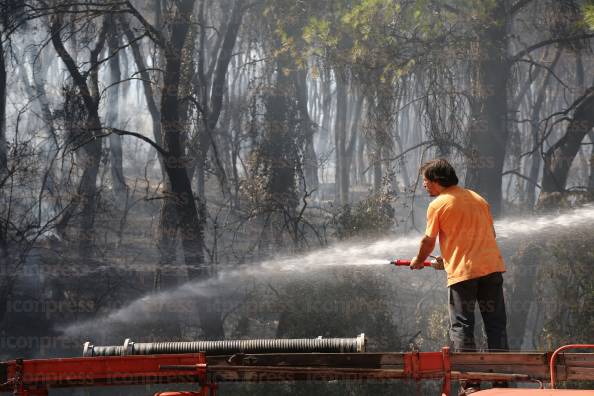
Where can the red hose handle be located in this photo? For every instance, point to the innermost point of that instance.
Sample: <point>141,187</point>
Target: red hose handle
<point>407,263</point>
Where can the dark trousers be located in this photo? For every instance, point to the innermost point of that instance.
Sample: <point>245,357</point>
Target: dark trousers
<point>487,291</point>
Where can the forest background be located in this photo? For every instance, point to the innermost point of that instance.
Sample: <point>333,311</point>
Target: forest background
<point>148,147</point>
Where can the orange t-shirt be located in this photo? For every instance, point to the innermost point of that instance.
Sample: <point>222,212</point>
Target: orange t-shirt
<point>463,221</point>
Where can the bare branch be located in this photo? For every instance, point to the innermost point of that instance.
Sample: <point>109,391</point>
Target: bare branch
<point>521,176</point>
<point>544,43</point>
<point>547,68</point>
<point>122,132</point>
<point>518,6</point>
<point>153,33</point>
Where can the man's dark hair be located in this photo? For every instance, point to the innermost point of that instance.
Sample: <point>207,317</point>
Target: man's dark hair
<point>440,171</point>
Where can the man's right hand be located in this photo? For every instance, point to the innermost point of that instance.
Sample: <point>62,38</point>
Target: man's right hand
<point>416,264</point>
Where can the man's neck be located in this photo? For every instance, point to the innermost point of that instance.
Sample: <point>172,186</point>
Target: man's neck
<point>444,189</point>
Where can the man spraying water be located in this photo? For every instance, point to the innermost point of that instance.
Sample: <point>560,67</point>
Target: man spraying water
<point>471,259</point>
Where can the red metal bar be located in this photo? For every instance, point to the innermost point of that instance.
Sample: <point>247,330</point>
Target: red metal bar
<point>35,377</point>
<point>559,350</point>
<point>23,377</point>
<point>447,369</point>
<point>424,365</point>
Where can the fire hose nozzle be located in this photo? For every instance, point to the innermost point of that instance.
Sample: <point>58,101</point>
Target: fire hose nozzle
<point>406,263</point>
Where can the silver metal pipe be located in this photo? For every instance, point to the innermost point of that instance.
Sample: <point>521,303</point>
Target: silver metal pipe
<point>229,347</point>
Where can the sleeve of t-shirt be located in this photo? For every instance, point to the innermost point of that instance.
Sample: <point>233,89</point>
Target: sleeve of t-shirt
<point>432,222</point>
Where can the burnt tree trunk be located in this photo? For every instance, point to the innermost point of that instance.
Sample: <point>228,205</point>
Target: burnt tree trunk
<point>213,105</point>
<point>167,227</point>
<point>191,224</point>
<point>342,197</point>
<point>558,158</point>
<point>192,228</point>
<point>5,281</point>
<point>361,143</point>
<point>353,139</point>
<point>534,132</point>
<point>325,110</point>
<point>591,177</point>
<point>489,126</point>
<point>310,160</point>
<point>115,141</point>
<point>3,148</point>
<point>40,65</point>
<point>90,144</point>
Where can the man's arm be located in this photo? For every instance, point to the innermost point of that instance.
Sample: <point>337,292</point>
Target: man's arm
<point>427,246</point>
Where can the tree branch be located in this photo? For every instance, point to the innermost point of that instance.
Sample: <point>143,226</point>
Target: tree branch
<point>116,50</point>
<point>544,43</point>
<point>79,80</point>
<point>154,34</point>
<point>137,135</point>
<point>547,68</point>
<point>518,6</point>
<point>521,176</point>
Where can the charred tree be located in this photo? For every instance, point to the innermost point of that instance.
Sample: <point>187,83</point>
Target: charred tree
<point>113,108</point>
<point>559,157</point>
<point>3,148</point>
<point>591,178</point>
<point>190,220</point>
<point>167,228</point>
<point>278,155</point>
<point>211,86</point>
<point>535,134</point>
<point>191,226</point>
<point>86,135</point>
<point>340,135</point>
<point>310,160</point>
<point>489,112</point>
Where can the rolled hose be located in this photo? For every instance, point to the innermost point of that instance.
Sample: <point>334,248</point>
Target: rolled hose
<point>228,347</point>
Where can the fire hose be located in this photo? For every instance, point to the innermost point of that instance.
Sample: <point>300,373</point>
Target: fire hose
<point>227,347</point>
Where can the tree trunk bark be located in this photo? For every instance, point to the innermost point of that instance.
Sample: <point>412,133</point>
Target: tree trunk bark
<point>149,94</point>
<point>310,160</point>
<point>215,101</point>
<point>191,222</point>
<point>91,145</point>
<point>167,228</point>
<point>534,132</point>
<point>489,126</point>
<point>115,141</point>
<point>88,190</point>
<point>558,158</point>
<point>342,197</point>
<point>5,281</point>
<point>3,148</point>
<point>171,126</point>
<point>326,113</point>
<point>361,143</point>
<point>377,167</point>
<point>591,178</point>
<point>40,65</point>
<point>350,150</point>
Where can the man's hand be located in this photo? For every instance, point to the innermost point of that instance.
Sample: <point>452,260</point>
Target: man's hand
<point>417,264</point>
<point>438,264</point>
